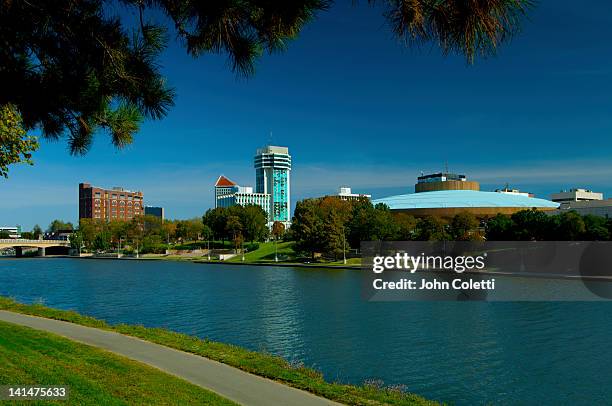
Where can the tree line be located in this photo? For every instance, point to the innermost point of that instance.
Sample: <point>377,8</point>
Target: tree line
<point>328,226</point>
<point>533,225</point>
<point>237,223</point>
<point>142,234</point>
<point>331,226</point>
<point>37,231</point>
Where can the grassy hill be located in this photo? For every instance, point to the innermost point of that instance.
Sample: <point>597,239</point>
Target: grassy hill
<point>94,376</point>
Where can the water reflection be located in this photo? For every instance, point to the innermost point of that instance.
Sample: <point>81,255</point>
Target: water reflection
<point>461,353</point>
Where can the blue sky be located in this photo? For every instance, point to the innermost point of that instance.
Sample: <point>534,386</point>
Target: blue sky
<point>356,107</point>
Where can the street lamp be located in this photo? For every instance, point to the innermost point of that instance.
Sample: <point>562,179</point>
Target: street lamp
<point>343,246</point>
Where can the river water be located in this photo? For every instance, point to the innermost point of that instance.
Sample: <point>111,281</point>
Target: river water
<point>461,353</point>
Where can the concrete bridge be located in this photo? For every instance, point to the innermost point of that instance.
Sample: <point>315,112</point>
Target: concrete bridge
<point>19,244</point>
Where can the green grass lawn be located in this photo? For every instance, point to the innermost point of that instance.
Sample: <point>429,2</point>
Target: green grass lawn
<point>94,376</point>
<point>349,261</point>
<point>265,253</point>
<point>263,364</point>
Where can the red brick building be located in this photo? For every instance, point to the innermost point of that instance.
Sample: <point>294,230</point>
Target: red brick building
<point>109,204</point>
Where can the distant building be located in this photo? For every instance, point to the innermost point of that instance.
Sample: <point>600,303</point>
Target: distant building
<point>272,186</point>
<point>602,208</point>
<point>507,190</point>
<point>154,211</point>
<point>576,195</point>
<point>13,231</point>
<point>223,187</point>
<point>109,204</point>
<point>228,193</point>
<point>273,177</point>
<point>444,181</point>
<point>63,235</point>
<point>345,193</point>
<point>447,194</point>
<point>584,202</point>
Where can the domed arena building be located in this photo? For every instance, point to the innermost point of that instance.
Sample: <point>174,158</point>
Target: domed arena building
<point>447,194</point>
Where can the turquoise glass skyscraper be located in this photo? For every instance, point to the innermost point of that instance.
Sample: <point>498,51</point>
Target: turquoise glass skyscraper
<point>273,177</point>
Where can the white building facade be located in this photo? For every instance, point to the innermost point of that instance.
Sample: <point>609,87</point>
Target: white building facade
<point>345,193</point>
<point>576,195</point>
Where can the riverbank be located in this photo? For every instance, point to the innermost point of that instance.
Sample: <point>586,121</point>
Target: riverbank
<point>265,365</point>
<point>204,260</point>
<point>94,376</point>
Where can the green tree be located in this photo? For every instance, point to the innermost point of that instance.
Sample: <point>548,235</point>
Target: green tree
<point>76,240</point>
<point>406,226</point>
<point>58,225</point>
<point>216,219</point>
<point>118,230</point>
<point>153,244</point>
<point>571,227</point>
<point>333,238</point>
<point>307,227</point>
<point>463,227</point>
<point>89,229</point>
<point>135,232</point>
<point>168,231</point>
<point>360,224</point>
<point>36,232</point>
<point>4,235</point>
<point>207,233</point>
<point>15,145</point>
<point>102,241</point>
<point>469,28</point>
<point>94,72</point>
<point>233,226</point>
<point>431,229</point>
<point>192,228</point>
<point>74,67</point>
<point>152,224</point>
<point>596,228</point>
<point>383,226</point>
<point>255,223</point>
<point>530,225</point>
<point>500,228</point>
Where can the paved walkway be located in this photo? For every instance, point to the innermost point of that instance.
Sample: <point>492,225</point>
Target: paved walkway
<point>227,381</point>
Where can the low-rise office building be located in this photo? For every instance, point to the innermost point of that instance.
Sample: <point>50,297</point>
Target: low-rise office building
<point>229,193</point>
<point>12,231</point>
<point>154,211</point>
<point>576,195</point>
<point>602,208</point>
<point>345,193</point>
<point>584,202</point>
